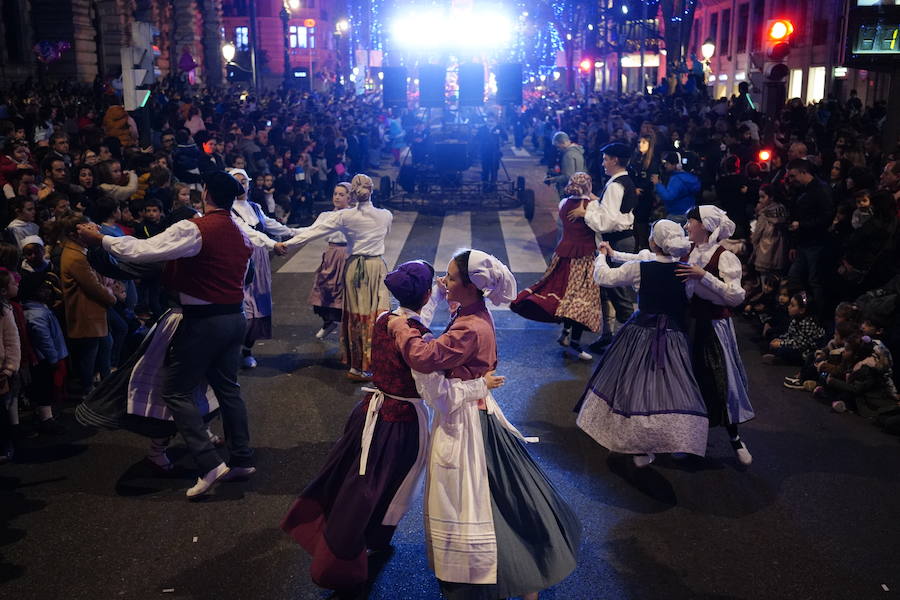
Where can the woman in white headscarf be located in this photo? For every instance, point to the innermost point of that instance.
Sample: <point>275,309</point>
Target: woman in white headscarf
<point>713,282</point>
<point>643,398</point>
<point>264,233</point>
<point>495,526</point>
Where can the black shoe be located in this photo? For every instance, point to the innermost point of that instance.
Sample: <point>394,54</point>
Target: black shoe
<point>793,383</point>
<point>600,344</point>
<point>21,432</point>
<point>50,427</point>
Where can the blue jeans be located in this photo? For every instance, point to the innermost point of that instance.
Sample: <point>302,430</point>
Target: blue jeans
<point>90,355</point>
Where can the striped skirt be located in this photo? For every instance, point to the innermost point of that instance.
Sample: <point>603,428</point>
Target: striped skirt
<point>365,297</point>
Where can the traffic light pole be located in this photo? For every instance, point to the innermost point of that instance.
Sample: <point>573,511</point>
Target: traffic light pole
<point>892,124</point>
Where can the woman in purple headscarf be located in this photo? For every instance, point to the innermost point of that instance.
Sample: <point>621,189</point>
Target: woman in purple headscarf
<point>368,481</point>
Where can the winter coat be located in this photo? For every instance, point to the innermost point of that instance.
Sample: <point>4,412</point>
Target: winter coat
<point>769,244</point>
<point>680,194</point>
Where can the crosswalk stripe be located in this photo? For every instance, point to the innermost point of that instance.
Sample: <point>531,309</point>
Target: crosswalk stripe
<point>522,248</point>
<point>456,233</point>
<point>523,254</point>
<point>307,259</point>
<point>400,228</point>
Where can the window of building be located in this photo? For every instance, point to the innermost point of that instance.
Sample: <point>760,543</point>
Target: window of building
<point>724,49</point>
<point>241,38</point>
<point>714,28</point>
<point>820,32</point>
<point>307,3</point>
<point>302,37</point>
<point>12,19</point>
<point>698,27</point>
<point>757,24</point>
<point>815,88</point>
<point>795,84</point>
<point>741,26</point>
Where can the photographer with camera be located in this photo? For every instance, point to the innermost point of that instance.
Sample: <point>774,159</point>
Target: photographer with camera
<point>680,192</point>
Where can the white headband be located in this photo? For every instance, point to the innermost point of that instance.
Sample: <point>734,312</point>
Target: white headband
<point>491,276</point>
<point>716,222</point>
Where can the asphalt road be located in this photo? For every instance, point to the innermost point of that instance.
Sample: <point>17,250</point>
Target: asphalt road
<point>815,516</point>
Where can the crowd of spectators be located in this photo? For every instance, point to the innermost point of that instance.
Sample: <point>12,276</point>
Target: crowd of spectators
<point>815,197</point>
<point>72,154</point>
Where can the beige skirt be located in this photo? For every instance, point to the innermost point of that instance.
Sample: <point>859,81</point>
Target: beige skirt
<point>365,297</point>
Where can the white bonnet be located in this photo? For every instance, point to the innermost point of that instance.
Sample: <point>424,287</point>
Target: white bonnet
<point>670,237</point>
<point>492,277</point>
<point>716,222</point>
<point>247,179</point>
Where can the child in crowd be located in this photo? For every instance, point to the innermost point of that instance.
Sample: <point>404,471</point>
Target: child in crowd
<point>33,258</point>
<point>23,224</point>
<point>10,356</point>
<point>768,237</point>
<point>775,322</point>
<point>862,389</point>
<point>846,323</point>
<point>151,219</point>
<point>197,200</point>
<point>873,327</point>
<point>766,299</point>
<point>802,336</point>
<point>48,342</point>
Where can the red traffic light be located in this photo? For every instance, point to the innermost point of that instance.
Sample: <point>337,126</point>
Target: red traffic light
<point>585,65</point>
<point>764,155</point>
<point>779,30</point>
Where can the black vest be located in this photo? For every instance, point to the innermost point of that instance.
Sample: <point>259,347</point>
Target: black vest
<point>630,197</point>
<point>662,292</point>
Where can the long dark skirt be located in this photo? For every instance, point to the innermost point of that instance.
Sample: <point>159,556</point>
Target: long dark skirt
<point>338,516</point>
<point>711,372</point>
<point>538,534</point>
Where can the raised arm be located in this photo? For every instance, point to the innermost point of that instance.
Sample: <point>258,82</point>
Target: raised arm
<point>328,222</point>
<point>627,274</point>
<point>178,241</point>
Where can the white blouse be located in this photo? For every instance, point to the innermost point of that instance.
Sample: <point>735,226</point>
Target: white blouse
<point>365,226</point>
<point>606,215</point>
<point>246,219</point>
<point>724,290</point>
<point>628,273</point>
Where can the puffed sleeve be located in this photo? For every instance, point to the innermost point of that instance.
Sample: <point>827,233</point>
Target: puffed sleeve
<point>626,274</point>
<point>447,395</point>
<point>727,287</point>
<point>450,350</point>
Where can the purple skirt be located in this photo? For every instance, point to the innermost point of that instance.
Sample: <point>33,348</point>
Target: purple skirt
<point>328,288</point>
<point>643,396</point>
<point>339,515</point>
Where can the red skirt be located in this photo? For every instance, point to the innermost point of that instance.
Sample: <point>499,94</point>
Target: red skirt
<point>566,291</point>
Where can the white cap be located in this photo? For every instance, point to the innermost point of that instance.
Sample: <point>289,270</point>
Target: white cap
<point>31,239</point>
<point>490,275</point>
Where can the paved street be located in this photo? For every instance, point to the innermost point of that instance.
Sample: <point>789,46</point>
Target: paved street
<point>814,517</point>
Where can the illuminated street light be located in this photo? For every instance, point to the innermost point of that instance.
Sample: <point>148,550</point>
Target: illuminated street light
<point>708,49</point>
<point>343,26</point>
<point>228,51</point>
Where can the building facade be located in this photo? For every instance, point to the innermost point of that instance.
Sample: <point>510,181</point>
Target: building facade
<point>815,62</point>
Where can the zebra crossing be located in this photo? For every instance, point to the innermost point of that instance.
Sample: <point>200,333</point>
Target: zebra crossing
<point>506,234</point>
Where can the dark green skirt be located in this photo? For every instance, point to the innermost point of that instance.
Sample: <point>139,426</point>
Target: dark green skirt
<point>538,535</point>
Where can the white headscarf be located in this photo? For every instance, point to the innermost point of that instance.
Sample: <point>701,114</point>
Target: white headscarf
<point>247,179</point>
<point>670,237</point>
<point>491,276</point>
<point>716,222</point>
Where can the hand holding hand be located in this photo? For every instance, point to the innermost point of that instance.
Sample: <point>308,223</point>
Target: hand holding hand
<point>794,226</point>
<point>493,381</point>
<point>654,179</point>
<point>605,249</point>
<point>280,249</point>
<point>775,344</point>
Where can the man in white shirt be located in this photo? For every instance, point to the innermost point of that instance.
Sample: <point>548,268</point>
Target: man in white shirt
<point>612,218</point>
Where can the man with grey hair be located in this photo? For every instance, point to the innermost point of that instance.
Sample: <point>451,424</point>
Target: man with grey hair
<point>571,162</point>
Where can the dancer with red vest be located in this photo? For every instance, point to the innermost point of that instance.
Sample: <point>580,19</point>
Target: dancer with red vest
<point>207,262</point>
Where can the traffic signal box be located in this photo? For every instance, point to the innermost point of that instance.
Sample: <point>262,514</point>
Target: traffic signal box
<point>778,45</point>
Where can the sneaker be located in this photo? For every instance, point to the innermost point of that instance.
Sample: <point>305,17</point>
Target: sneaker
<point>238,473</point>
<point>326,330</point>
<point>839,406</point>
<point>576,351</point>
<point>205,484</point>
<point>248,362</point>
<point>793,383</point>
<point>743,454</point>
<point>642,461</point>
<point>359,376</point>
<point>563,339</point>
<point>50,427</point>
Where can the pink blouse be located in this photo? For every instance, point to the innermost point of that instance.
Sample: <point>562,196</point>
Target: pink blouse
<point>467,350</point>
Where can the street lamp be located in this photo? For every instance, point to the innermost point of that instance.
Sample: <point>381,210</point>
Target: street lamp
<point>708,49</point>
<point>285,30</point>
<point>228,51</point>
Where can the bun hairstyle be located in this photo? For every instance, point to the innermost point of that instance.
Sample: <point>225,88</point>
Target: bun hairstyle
<point>580,184</point>
<point>361,187</point>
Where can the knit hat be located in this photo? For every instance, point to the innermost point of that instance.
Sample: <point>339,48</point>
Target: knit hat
<point>410,281</point>
<point>31,239</point>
